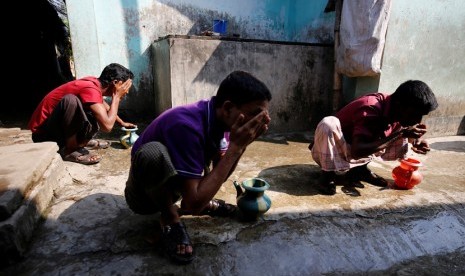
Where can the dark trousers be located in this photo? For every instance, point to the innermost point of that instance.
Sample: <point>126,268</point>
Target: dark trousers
<point>67,119</point>
<point>151,169</point>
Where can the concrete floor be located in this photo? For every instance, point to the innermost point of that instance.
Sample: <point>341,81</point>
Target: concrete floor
<point>89,230</point>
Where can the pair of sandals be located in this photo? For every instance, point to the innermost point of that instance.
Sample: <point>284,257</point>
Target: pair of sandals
<point>83,156</point>
<point>175,239</point>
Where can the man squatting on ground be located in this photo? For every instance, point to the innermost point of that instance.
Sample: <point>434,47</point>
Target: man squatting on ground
<point>171,159</point>
<point>73,113</point>
<point>374,125</point>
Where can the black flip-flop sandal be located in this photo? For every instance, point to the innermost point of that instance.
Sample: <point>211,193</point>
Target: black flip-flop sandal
<point>97,144</point>
<point>173,235</point>
<point>326,183</point>
<point>362,173</point>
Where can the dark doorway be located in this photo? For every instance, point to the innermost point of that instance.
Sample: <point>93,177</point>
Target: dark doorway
<point>38,55</point>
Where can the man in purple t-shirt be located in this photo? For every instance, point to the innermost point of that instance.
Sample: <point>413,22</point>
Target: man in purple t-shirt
<point>374,125</point>
<point>171,159</point>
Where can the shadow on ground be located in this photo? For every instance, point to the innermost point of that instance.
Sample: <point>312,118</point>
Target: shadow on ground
<point>458,146</point>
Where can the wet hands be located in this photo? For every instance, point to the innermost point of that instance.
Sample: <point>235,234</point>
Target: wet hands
<point>264,119</point>
<point>122,88</point>
<point>415,131</point>
<point>420,146</point>
<point>128,125</point>
<point>245,132</point>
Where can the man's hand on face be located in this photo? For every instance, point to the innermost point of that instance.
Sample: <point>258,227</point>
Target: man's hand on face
<point>243,133</point>
<point>122,88</point>
<point>265,121</point>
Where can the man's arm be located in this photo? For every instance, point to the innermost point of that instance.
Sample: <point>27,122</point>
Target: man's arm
<point>106,118</point>
<point>118,118</point>
<point>362,147</point>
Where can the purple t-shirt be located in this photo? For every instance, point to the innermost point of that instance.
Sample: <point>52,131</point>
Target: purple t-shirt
<point>191,134</point>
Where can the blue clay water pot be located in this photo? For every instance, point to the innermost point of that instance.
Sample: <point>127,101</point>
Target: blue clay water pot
<point>252,201</point>
<point>128,139</point>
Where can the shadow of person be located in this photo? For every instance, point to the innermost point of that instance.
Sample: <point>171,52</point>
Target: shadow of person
<point>301,180</point>
<point>298,179</point>
<point>100,222</point>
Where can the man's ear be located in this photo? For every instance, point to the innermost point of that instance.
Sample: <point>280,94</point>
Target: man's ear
<point>228,106</point>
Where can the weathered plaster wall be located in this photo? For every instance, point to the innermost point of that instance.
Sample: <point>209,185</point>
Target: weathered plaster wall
<point>299,76</point>
<point>105,31</point>
<point>425,40</point>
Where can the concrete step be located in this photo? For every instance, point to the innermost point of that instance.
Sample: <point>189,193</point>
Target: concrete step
<point>29,173</point>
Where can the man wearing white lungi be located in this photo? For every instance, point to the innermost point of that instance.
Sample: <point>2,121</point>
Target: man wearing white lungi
<point>375,125</point>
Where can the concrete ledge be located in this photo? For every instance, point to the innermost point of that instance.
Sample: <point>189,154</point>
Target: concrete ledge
<point>14,135</point>
<point>27,184</point>
<point>24,165</point>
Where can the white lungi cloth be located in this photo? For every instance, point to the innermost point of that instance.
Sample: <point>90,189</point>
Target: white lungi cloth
<point>331,151</point>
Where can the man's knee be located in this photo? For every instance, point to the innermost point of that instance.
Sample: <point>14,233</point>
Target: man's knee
<point>329,124</point>
<point>152,162</point>
<point>151,150</point>
<point>330,121</point>
<point>70,99</point>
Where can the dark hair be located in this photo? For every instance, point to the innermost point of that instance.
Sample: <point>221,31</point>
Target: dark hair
<point>417,94</point>
<point>114,71</point>
<point>241,87</point>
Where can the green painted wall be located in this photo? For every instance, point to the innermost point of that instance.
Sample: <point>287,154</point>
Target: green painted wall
<point>425,40</point>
